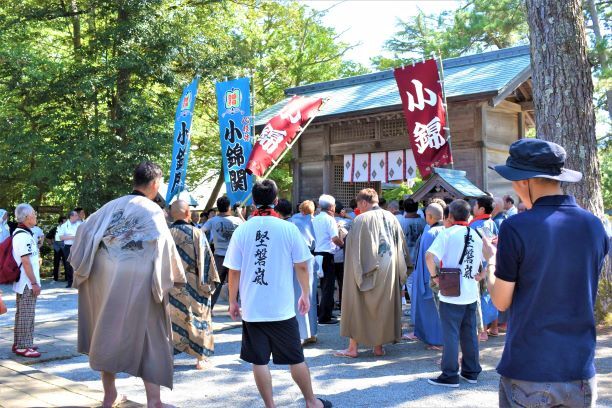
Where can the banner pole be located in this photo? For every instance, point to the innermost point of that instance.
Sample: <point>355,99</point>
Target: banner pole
<point>447,127</point>
<point>277,162</point>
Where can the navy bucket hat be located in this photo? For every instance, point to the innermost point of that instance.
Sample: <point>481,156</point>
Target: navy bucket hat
<point>530,158</point>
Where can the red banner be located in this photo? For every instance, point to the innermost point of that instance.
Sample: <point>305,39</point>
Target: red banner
<point>280,132</point>
<point>423,105</point>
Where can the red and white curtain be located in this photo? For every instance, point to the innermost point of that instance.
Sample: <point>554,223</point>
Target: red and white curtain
<point>398,165</point>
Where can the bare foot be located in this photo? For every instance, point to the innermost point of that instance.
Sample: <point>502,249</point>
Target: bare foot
<point>346,353</point>
<point>409,336</point>
<point>113,400</point>
<point>379,351</point>
<point>202,364</point>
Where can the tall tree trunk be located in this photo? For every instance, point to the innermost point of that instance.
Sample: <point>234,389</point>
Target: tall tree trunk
<point>76,30</point>
<point>563,99</point>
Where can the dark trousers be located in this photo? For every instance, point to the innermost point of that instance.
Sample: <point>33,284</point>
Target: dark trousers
<point>58,255</point>
<point>328,286</point>
<point>67,266</point>
<point>339,272</point>
<point>223,271</point>
<point>459,327</point>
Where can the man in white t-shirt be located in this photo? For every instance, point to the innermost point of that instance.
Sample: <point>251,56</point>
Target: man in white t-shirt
<point>27,288</point>
<point>261,258</point>
<point>67,232</point>
<point>458,247</point>
<point>327,243</point>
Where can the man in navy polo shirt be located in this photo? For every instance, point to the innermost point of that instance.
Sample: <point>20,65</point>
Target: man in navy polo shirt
<point>545,270</point>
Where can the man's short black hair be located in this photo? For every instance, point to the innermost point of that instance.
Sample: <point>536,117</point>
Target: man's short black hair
<point>446,212</point>
<point>382,202</point>
<point>410,206</point>
<point>283,207</point>
<point>223,204</point>
<point>339,207</point>
<point>264,193</point>
<point>460,210</point>
<point>487,203</point>
<point>400,205</point>
<point>509,199</point>
<point>78,209</point>
<point>61,219</point>
<point>146,172</point>
<point>353,204</point>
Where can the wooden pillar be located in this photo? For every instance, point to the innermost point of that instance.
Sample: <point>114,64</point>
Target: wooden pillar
<point>328,165</point>
<point>521,125</point>
<point>483,149</point>
<point>296,172</point>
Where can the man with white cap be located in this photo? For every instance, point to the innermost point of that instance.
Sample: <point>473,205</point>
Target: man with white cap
<point>327,242</point>
<point>545,271</point>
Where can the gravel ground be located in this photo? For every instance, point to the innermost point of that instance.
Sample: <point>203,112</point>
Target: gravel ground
<point>399,379</point>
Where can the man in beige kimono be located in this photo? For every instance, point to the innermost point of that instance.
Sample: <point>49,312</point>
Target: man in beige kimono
<point>375,268</point>
<point>190,311</point>
<point>125,263</point>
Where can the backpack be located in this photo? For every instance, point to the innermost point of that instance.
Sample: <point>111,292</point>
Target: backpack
<point>9,270</point>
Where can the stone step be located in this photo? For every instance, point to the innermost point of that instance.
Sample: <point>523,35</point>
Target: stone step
<point>23,386</point>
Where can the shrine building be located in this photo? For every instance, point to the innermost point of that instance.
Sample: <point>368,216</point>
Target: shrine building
<point>490,105</point>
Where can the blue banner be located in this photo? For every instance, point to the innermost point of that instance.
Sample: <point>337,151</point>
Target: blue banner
<point>182,140</point>
<point>234,107</point>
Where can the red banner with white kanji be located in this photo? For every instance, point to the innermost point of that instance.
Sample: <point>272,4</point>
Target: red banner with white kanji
<point>280,132</point>
<point>423,105</point>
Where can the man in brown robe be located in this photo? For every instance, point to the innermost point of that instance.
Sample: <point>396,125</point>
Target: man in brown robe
<point>375,267</point>
<point>190,304</point>
<point>125,262</point>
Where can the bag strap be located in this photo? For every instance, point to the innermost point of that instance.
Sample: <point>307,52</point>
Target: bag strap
<point>467,241</point>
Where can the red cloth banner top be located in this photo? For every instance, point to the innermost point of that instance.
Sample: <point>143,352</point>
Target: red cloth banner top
<point>423,105</point>
<point>280,132</point>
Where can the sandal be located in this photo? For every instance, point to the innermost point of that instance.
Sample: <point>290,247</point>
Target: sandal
<point>15,348</point>
<point>27,352</point>
<point>343,353</point>
<point>326,403</point>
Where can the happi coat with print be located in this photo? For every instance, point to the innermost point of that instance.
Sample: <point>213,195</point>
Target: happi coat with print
<point>375,267</point>
<point>125,263</point>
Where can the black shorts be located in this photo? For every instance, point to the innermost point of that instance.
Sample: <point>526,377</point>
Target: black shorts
<point>281,339</point>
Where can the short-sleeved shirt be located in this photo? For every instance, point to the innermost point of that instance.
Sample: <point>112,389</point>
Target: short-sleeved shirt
<point>68,228</point>
<point>265,249</point>
<point>24,244</point>
<point>554,253</point>
<point>325,228</point>
<point>221,228</point>
<point>448,247</point>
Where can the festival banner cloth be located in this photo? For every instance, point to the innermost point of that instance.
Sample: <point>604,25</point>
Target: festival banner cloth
<point>423,104</point>
<point>280,131</point>
<point>234,107</point>
<point>182,140</point>
<point>396,165</point>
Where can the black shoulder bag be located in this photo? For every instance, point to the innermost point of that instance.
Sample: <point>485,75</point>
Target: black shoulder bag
<point>450,278</point>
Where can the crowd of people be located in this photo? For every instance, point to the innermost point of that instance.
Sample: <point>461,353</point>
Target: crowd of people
<point>147,286</point>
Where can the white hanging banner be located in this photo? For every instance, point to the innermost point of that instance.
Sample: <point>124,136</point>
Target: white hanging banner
<point>395,165</point>
<point>348,168</point>
<point>384,166</point>
<point>378,166</point>
<point>361,170</point>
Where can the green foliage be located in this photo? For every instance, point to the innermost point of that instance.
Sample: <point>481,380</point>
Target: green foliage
<point>476,26</point>
<point>89,87</point>
<point>605,162</point>
<point>402,190</point>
